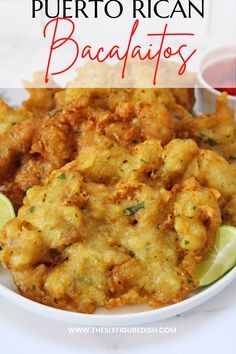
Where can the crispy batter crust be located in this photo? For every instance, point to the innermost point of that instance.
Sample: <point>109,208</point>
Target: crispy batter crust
<point>117,211</point>
<point>103,231</point>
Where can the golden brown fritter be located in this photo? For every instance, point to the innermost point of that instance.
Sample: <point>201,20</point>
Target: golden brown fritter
<point>184,160</point>
<point>127,116</point>
<point>215,131</point>
<point>15,143</point>
<point>117,210</point>
<point>10,117</point>
<point>111,238</point>
<point>21,166</point>
<point>184,97</point>
<point>41,101</point>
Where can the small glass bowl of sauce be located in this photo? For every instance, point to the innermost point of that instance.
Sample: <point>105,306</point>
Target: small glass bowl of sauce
<point>222,75</point>
<point>217,74</point>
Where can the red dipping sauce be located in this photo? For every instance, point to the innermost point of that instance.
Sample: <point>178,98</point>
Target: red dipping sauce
<point>222,75</point>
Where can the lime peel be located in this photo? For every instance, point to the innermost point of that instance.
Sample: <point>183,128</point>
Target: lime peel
<point>221,259</point>
<point>6,210</point>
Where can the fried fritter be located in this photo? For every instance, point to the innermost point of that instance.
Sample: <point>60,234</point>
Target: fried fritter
<point>184,160</point>
<point>215,131</point>
<point>15,143</point>
<point>184,97</point>
<point>127,116</point>
<point>117,210</point>
<point>41,101</point>
<point>106,243</point>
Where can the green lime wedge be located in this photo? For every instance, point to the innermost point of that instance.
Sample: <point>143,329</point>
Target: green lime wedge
<point>6,210</point>
<point>219,260</point>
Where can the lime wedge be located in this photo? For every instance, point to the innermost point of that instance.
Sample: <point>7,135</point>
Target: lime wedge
<point>6,210</point>
<point>221,259</point>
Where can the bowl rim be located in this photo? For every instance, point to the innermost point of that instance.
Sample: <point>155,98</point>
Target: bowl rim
<point>98,319</point>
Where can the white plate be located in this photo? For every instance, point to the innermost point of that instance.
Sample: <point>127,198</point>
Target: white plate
<point>124,316</point>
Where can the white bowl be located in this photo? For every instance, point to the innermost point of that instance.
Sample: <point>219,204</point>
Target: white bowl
<point>206,94</point>
<point>123,316</point>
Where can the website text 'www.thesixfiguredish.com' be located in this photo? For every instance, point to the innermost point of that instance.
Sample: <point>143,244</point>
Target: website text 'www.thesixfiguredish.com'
<point>122,330</point>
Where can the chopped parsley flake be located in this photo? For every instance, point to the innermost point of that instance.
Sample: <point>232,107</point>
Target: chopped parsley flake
<point>84,280</point>
<point>142,160</point>
<point>54,113</point>
<point>205,139</point>
<point>31,210</point>
<point>211,142</point>
<point>232,158</point>
<point>186,242</point>
<point>178,117</point>
<point>62,176</point>
<point>133,209</point>
<point>131,253</point>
